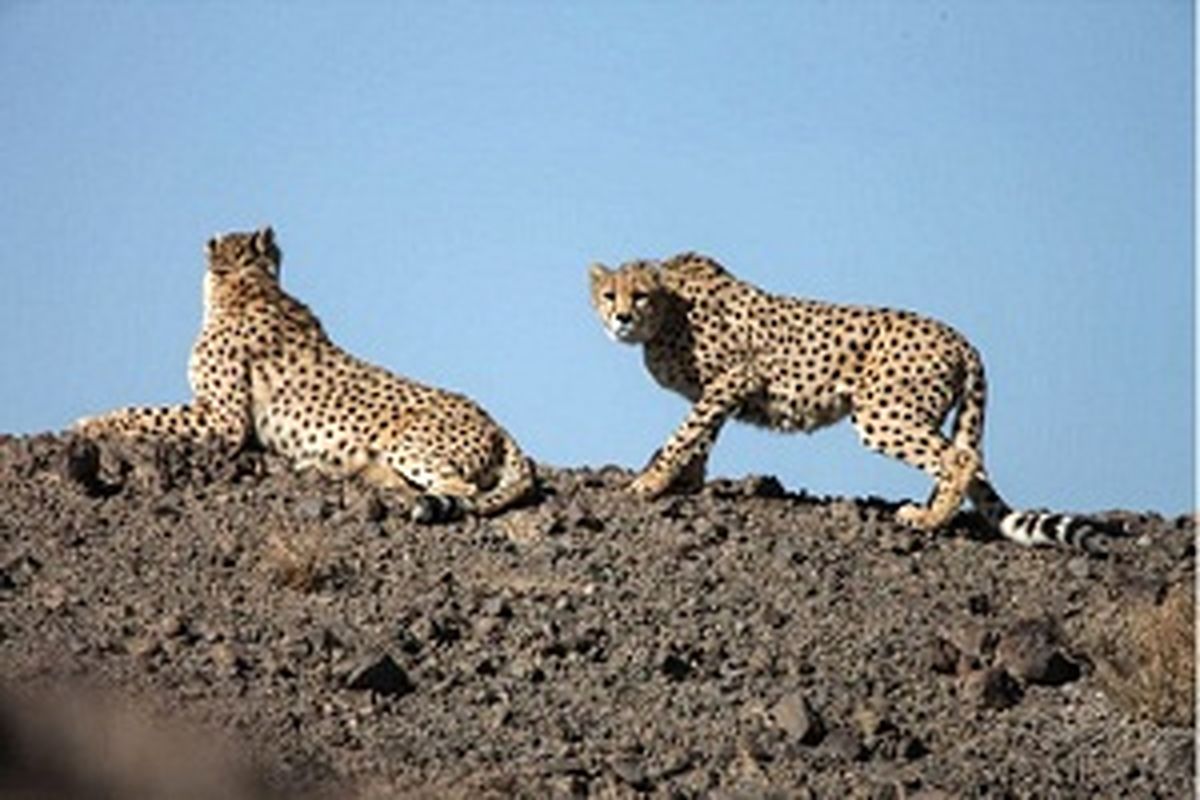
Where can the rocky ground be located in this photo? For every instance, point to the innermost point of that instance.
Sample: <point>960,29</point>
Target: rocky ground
<point>176,623</point>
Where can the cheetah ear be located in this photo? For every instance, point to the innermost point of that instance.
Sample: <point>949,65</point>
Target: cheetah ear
<point>598,272</point>
<point>264,239</point>
<point>653,273</point>
<point>210,247</point>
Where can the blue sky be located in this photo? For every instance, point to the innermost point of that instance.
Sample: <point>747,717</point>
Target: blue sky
<point>441,174</point>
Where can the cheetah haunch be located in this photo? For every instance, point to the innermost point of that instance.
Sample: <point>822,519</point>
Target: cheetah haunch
<point>263,368</point>
<point>791,364</point>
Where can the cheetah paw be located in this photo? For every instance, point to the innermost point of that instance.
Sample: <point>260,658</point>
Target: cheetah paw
<point>648,486</point>
<point>916,516</point>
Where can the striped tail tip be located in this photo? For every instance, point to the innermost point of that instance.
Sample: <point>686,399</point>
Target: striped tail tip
<point>430,509</point>
<point>1047,529</point>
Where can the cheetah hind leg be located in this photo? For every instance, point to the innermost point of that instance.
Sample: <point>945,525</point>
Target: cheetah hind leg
<point>447,500</point>
<point>434,489</point>
<point>922,445</point>
<point>385,477</point>
<point>419,507</point>
<point>957,469</point>
<point>424,508</point>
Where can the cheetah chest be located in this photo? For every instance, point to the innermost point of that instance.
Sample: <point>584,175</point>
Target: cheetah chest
<point>297,409</point>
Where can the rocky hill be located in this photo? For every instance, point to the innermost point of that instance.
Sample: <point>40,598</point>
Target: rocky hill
<point>175,623</point>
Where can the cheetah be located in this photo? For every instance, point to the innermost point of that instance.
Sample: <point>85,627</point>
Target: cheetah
<point>263,369</point>
<point>792,364</point>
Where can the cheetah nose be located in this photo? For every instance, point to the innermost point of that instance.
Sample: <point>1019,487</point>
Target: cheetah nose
<point>624,318</point>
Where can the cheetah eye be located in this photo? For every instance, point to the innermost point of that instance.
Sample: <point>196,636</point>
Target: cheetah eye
<point>640,297</point>
<point>610,296</point>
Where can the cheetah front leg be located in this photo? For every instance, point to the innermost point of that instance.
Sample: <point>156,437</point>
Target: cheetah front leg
<point>221,413</point>
<point>192,422</point>
<point>684,456</point>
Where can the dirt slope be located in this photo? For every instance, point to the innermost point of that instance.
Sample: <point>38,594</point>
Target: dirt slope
<point>224,628</point>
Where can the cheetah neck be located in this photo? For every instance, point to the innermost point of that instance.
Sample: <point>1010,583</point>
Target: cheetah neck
<point>208,297</point>
<point>672,313</point>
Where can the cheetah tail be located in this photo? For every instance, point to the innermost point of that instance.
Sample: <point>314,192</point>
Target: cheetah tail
<point>516,481</point>
<point>1048,528</point>
<point>968,419</point>
<point>1041,528</point>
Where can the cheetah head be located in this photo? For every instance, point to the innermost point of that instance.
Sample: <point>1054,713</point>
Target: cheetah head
<point>232,253</point>
<point>235,259</point>
<point>628,300</point>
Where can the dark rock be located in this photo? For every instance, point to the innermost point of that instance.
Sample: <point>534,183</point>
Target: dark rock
<point>579,516</point>
<point>991,688</point>
<point>379,674</point>
<point>941,656</point>
<point>766,486</point>
<point>446,629</point>
<point>82,466</point>
<point>674,508</point>
<point>912,748</point>
<point>979,604</point>
<point>553,524</point>
<point>82,462</point>
<point>1030,650</point>
<point>675,667</point>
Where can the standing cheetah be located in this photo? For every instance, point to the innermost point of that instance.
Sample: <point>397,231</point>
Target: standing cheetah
<point>264,368</point>
<point>797,365</point>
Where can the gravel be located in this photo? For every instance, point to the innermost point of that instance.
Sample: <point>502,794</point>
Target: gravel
<point>746,641</point>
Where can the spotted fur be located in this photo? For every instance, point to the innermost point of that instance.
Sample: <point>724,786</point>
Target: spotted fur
<point>792,364</point>
<point>263,368</point>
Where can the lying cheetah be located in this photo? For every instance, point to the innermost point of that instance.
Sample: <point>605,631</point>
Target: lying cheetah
<point>797,365</point>
<point>263,368</point>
